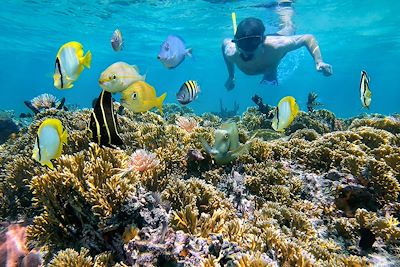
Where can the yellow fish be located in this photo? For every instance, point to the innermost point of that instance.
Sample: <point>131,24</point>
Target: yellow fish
<point>119,76</point>
<point>141,97</point>
<point>365,92</point>
<point>70,62</point>
<point>285,113</point>
<point>50,139</point>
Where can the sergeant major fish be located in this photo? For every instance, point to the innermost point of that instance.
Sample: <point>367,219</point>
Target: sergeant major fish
<point>70,62</point>
<point>141,97</point>
<point>117,42</point>
<point>50,138</point>
<point>119,76</point>
<point>188,92</point>
<point>285,113</point>
<point>365,92</point>
<point>173,51</point>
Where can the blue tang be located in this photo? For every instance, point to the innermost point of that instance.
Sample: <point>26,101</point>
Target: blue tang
<point>173,51</point>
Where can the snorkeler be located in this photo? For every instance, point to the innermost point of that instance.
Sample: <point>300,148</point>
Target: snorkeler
<point>256,53</point>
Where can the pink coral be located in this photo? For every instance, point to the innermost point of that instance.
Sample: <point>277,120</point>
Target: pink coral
<point>142,160</point>
<point>188,124</point>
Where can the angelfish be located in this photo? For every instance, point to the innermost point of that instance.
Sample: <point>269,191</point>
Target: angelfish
<point>103,122</point>
<point>50,138</point>
<point>173,51</point>
<point>226,146</point>
<point>365,92</point>
<point>70,62</point>
<point>284,113</point>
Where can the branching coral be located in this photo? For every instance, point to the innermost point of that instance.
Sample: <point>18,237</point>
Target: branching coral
<point>390,124</point>
<point>253,119</point>
<point>388,227</point>
<point>80,199</point>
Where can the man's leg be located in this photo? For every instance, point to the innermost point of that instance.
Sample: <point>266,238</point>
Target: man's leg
<point>285,11</point>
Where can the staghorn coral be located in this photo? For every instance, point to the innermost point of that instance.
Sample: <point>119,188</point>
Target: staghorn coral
<point>271,182</point>
<point>322,121</point>
<point>80,199</point>
<point>70,257</point>
<point>387,228</point>
<point>389,124</point>
<point>253,119</point>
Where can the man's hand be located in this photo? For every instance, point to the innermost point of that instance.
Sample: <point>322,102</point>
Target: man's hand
<point>230,83</point>
<point>325,68</point>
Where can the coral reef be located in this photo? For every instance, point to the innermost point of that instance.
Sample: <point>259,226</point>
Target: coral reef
<point>324,194</point>
<point>8,127</point>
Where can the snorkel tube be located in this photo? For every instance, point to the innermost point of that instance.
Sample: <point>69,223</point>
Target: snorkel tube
<point>234,23</point>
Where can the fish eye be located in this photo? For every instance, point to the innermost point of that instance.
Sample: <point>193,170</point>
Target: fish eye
<point>226,136</point>
<point>134,95</point>
<point>114,76</point>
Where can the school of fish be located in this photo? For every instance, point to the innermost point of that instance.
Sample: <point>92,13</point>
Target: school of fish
<point>139,96</point>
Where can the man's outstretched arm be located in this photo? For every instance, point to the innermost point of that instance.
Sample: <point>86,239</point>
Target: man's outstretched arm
<point>309,41</point>
<point>230,82</point>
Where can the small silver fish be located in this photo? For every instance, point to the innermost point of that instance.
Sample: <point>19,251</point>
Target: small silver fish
<point>117,42</point>
<point>188,92</point>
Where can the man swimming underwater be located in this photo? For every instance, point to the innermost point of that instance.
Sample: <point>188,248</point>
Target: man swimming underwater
<point>256,53</point>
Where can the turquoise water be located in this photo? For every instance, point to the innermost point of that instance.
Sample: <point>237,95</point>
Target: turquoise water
<point>353,36</point>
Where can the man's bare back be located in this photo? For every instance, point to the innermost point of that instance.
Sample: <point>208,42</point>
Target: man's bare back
<point>265,58</point>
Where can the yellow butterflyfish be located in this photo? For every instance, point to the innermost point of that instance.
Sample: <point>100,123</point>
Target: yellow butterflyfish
<point>285,113</point>
<point>50,138</point>
<point>70,62</point>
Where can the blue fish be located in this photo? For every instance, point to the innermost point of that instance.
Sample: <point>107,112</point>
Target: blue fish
<point>173,51</point>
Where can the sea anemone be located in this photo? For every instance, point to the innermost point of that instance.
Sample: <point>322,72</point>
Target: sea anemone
<point>142,160</point>
<point>188,124</point>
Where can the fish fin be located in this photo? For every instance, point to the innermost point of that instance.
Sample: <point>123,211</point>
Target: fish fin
<point>189,52</point>
<point>135,67</point>
<point>160,101</point>
<point>240,150</point>
<point>207,147</point>
<point>48,164</point>
<point>87,59</point>
<point>69,86</point>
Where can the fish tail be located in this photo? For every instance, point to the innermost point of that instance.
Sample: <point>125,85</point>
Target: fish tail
<point>189,52</point>
<point>64,137</point>
<point>87,59</point>
<point>160,101</point>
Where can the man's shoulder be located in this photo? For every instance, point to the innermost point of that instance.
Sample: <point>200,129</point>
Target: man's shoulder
<point>277,41</point>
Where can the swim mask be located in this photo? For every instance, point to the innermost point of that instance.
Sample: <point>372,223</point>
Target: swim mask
<point>249,34</point>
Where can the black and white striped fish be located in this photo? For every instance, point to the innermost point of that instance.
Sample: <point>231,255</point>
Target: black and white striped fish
<point>188,92</point>
<point>103,122</point>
